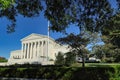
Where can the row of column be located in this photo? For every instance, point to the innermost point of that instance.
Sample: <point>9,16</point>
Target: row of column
<point>32,50</point>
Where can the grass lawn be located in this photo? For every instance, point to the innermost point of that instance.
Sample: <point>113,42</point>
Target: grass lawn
<point>96,64</point>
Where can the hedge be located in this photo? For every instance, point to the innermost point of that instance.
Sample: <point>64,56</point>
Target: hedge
<point>64,73</point>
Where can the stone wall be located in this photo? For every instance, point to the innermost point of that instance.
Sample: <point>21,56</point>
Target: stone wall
<point>3,64</point>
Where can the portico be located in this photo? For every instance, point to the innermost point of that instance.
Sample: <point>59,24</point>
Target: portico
<point>34,49</point>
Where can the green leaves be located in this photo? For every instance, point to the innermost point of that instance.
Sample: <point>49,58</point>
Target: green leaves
<point>5,3</point>
<point>2,59</point>
<point>59,59</point>
<point>90,14</point>
<point>112,30</point>
<point>74,41</point>
<point>28,8</point>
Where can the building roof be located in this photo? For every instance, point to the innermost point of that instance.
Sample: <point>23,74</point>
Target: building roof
<point>35,36</point>
<point>16,51</point>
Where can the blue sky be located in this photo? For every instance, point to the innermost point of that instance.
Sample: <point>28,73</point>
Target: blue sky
<point>24,27</point>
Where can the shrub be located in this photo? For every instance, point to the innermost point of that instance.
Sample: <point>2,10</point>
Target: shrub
<point>64,73</point>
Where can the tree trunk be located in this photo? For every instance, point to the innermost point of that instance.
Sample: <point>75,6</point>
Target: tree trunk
<point>83,55</point>
<point>83,61</point>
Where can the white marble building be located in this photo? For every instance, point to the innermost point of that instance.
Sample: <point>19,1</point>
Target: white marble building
<point>35,49</point>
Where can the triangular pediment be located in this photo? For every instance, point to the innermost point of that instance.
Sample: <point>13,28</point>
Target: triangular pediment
<point>33,36</point>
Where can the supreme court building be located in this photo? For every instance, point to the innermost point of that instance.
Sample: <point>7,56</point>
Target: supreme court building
<point>37,48</point>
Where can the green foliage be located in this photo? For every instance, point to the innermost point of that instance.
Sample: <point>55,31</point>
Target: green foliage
<point>98,52</point>
<point>60,59</point>
<point>70,58</point>
<point>5,3</point>
<point>77,43</point>
<point>67,59</point>
<point>2,59</point>
<point>116,74</point>
<point>111,37</point>
<point>28,8</point>
<point>90,14</point>
<point>68,75</point>
<point>117,55</point>
<point>61,13</point>
<point>108,53</point>
<point>74,41</point>
<point>111,32</point>
<point>62,73</point>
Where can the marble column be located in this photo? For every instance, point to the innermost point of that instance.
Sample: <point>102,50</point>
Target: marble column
<point>42,49</point>
<point>37,49</point>
<point>47,44</point>
<point>46,48</point>
<point>25,51</point>
<point>28,51</point>
<point>22,51</point>
<point>34,49</point>
<point>31,54</point>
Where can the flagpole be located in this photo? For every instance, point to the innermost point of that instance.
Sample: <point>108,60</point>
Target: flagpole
<point>48,41</point>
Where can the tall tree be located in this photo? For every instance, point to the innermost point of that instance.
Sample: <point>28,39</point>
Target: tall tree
<point>111,35</point>
<point>111,32</point>
<point>91,14</point>
<point>76,43</point>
